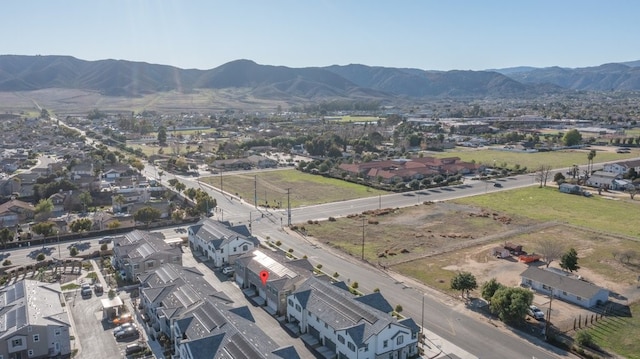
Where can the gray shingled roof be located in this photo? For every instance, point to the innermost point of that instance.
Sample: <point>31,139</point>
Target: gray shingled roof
<point>218,331</point>
<point>218,233</point>
<point>561,282</point>
<point>30,302</point>
<point>342,311</point>
<point>178,288</point>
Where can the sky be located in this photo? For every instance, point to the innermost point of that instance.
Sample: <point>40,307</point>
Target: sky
<point>424,34</point>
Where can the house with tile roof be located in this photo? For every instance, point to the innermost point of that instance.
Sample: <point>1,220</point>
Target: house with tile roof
<point>33,323</point>
<point>338,322</point>
<point>170,290</point>
<point>565,286</point>
<point>139,251</point>
<point>284,276</point>
<point>220,242</point>
<point>214,330</point>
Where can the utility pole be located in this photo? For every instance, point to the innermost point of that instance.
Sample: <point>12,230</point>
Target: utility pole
<point>288,207</point>
<point>546,324</point>
<point>255,191</point>
<point>379,201</point>
<point>422,325</point>
<point>363,219</point>
<point>221,181</point>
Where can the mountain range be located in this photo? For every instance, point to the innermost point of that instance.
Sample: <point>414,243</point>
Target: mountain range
<point>356,82</point>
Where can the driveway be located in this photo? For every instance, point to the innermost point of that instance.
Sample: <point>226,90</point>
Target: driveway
<point>263,319</point>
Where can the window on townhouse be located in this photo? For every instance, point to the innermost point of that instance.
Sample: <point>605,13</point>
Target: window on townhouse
<point>30,353</point>
<point>400,340</point>
<point>298,308</point>
<point>235,249</point>
<point>136,266</point>
<point>150,264</point>
<point>245,248</point>
<point>222,250</point>
<point>341,339</point>
<point>290,302</point>
<point>351,346</point>
<point>385,343</point>
<point>57,332</point>
<point>16,342</point>
<point>36,338</point>
<point>366,347</point>
<point>326,325</point>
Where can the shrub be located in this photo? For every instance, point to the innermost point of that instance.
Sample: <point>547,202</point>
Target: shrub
<point>40,257</point>
<point>354,285</point>
<point>398,308</point>
<point>6,262</point>
<point>290,250</point>
<point>332,219</point>
<point>319,266</point>
<point>336,275</point>
<point>104,247</point>
<point>376,290</point>
<point>73,251</point>
<point>310,221</point>
<point>583,338</point>
<point>278,243</point>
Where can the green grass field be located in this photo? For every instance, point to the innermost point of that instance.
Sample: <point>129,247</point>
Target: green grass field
<point>548,204</point>
<point>556,159</point>
<point>357,119</point>
<point>619,334</point>
<point>305,189</point>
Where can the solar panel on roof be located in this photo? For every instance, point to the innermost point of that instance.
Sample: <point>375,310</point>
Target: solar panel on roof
<point>20,290</point>
<point>11,319</point>
<point>209,318</point>
<point>239,348</point>
<point>21,317</point>
<point>353,312</point>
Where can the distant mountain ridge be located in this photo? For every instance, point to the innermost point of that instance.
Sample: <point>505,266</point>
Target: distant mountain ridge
<point>130,79</point>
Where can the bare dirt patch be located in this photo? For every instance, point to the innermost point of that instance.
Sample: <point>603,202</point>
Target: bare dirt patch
<point>433,242</point>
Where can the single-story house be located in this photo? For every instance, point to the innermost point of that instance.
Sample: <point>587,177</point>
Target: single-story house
<point>564,286</point>
<point>601,179</point>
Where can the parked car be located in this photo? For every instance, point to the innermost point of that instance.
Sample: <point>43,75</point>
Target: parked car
<point>124,318</point>
<point>122,327</point>
<point>127,333</point>
<point>497,184</point>
<point>228,270</point>
<point>98,288</point>
<point>134,348</point>
<point>536,312</point>
<point>85,290</point>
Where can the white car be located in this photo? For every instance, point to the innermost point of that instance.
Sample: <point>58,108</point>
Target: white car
<point>228,270</point>
<point>536,312</point>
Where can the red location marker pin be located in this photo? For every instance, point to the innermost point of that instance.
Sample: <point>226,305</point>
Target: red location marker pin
<point>264,275</point>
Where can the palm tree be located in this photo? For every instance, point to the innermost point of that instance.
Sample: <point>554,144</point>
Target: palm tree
<point>590,157</point>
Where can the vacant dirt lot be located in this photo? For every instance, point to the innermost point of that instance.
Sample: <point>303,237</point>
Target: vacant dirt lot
<point>433,242</point>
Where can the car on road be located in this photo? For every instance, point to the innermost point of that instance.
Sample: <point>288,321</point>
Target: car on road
<point>127,333</point>
<point>105,240</point>
<point>535,312</point>
<point>228,270</point>
<point>497,184</point>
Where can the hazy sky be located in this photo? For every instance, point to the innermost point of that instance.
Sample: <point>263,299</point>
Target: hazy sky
<point>425,34</point>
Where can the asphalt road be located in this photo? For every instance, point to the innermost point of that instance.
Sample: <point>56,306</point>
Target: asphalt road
<point>444,316</point>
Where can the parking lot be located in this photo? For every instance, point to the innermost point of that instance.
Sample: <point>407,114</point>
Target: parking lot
<point>94,333</point>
